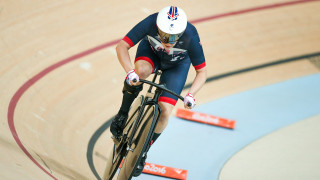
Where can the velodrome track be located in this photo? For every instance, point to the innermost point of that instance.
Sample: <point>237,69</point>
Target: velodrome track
<point>60,82</point>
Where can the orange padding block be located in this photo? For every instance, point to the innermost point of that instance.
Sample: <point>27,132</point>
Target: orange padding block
<point>165,171</point>
<point>205,118</point>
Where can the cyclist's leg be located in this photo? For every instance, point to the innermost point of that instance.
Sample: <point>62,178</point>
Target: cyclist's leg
<point>145,64</point>
<point>166,109</point>
<point>146,61</point>
<point>174,78</point>
<point>129,94</point>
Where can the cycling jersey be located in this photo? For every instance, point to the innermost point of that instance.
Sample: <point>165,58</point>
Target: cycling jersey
<point>187,46</point>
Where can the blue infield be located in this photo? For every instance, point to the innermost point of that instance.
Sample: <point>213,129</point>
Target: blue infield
<point>203,149</point>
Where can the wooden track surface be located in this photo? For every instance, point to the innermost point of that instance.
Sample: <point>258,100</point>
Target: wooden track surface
<point>56,112</point>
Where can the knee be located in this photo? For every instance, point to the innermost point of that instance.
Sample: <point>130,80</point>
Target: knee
<point>143,70</point>
<point>166,110</point>
<point>165,113</point>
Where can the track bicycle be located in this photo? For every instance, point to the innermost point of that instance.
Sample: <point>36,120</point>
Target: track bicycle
<point>136,137</point>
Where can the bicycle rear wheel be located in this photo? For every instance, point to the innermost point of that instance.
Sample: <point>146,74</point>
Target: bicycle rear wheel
<point>140,142</point>
<point>119,148</point>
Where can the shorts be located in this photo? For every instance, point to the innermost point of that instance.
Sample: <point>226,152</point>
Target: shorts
<point>174,76</point>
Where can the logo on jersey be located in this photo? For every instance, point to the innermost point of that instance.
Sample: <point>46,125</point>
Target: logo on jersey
<point>157,46</point>
<point>173,13</point>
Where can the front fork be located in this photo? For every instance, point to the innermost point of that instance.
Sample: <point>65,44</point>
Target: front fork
<point>130,146</point>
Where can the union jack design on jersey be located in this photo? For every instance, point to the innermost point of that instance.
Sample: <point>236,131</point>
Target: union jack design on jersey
<point>173,13</point>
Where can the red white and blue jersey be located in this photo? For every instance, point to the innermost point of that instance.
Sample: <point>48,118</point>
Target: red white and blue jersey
<point>187,47</point>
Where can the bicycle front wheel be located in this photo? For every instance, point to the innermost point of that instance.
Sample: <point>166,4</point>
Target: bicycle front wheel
<point>119,149</point>
<point>113,163</point>
<point>140,142</point>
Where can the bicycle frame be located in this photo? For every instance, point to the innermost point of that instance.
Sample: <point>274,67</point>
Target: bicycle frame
<point>153,100</point>
<point>148,100</point>
<point>131,137</point>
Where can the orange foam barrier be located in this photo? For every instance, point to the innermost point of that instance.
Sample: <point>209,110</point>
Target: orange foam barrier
<point>165,171</point>
<point>205,118</point>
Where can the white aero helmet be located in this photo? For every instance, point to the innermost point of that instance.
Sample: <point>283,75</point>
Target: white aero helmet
<point>172,22</point>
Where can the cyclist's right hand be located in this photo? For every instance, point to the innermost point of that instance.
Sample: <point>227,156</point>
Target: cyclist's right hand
<point>132,78</point>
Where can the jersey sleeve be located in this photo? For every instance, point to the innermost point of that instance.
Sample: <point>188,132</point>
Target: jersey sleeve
<point>140,30</point>
<point>195,53</point>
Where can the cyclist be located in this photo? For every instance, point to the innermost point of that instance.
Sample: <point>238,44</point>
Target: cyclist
<point>169,43</point>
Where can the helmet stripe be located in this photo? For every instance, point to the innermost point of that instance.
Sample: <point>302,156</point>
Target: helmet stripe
<point>172,15</point>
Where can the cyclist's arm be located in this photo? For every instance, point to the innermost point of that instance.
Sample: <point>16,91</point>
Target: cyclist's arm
<point>123,55</point>
<point>138,32</point>
<point>198,61</point>
<point>199,80</point>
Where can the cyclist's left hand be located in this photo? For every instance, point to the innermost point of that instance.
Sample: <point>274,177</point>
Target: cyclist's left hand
<point>189,101</point>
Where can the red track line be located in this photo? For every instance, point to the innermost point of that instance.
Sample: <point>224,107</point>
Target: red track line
<point>29,83</point>
<point>250,10</point>
<point>16,97</point>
